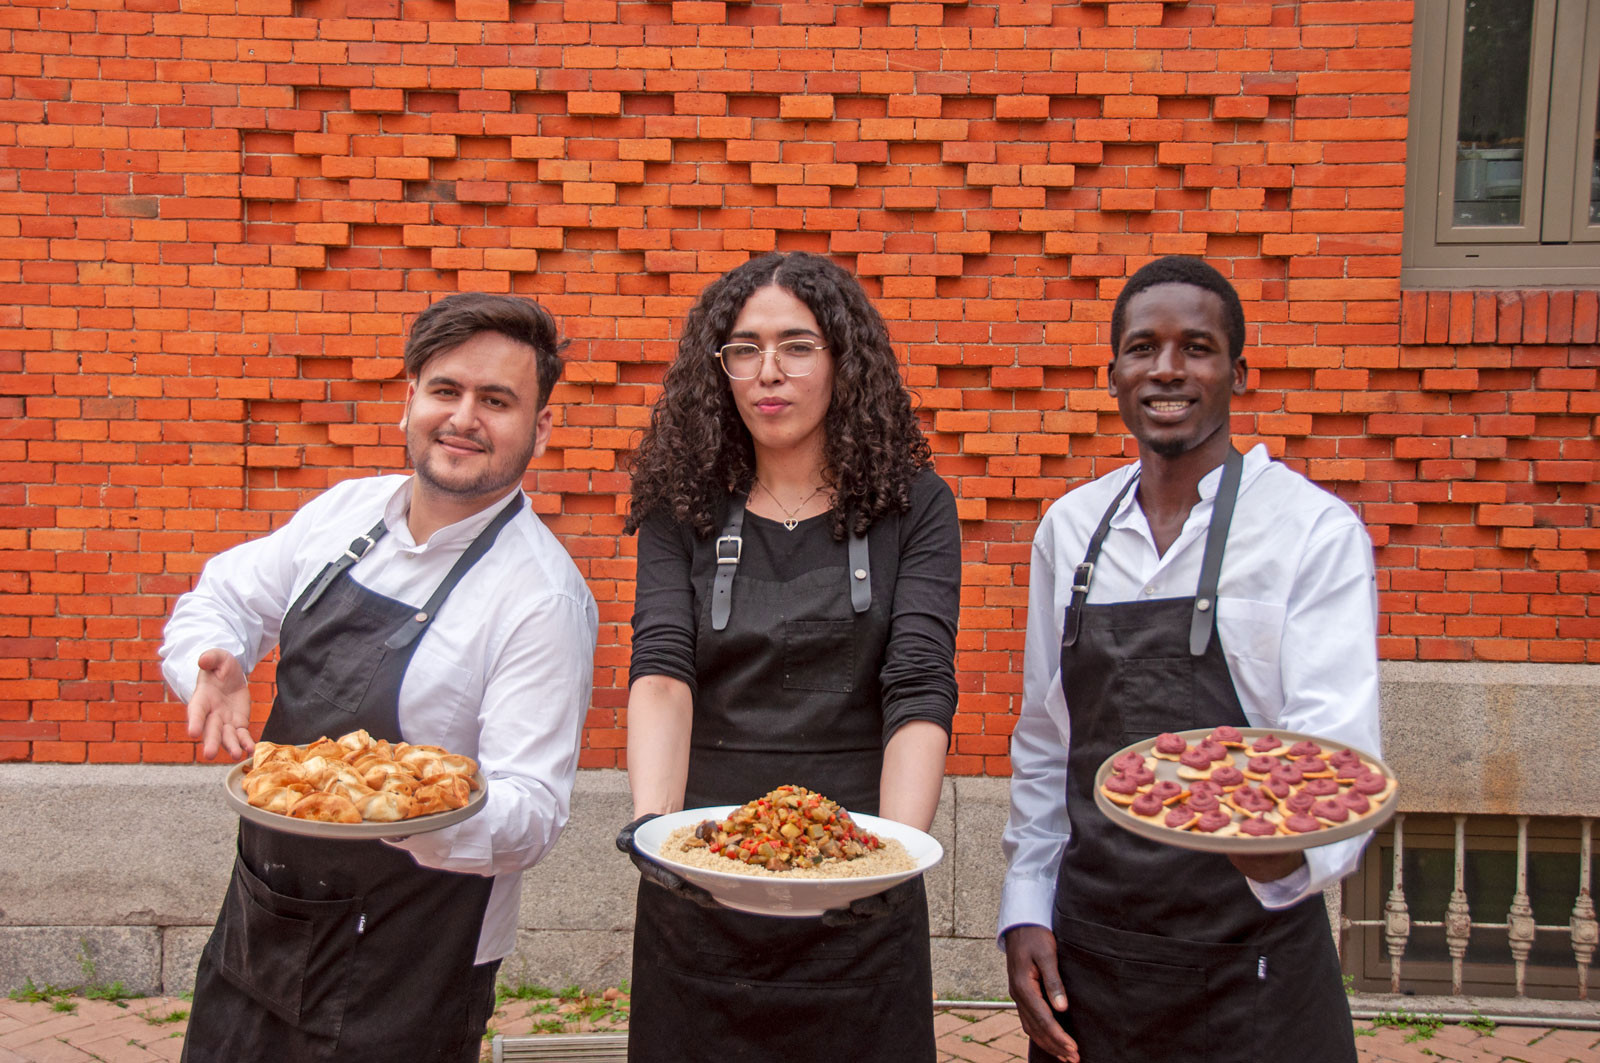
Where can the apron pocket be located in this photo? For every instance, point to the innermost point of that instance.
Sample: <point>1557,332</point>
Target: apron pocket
<point>819,655</point>
<point>1155,694</point>
<point>1142,996</point>
<point>288,954</point>
<point>352,664</point>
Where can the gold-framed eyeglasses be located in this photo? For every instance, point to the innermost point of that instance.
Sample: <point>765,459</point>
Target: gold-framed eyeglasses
<point>742,361</point>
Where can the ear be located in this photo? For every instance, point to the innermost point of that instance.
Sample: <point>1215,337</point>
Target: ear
<point>541,431</point>
<point>1111,375</point>
<point>405,411</point>
<point>1241,376</point>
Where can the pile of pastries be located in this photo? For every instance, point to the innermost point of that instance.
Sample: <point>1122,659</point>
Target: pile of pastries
<point>1260,787</point>
<point>355,778</point>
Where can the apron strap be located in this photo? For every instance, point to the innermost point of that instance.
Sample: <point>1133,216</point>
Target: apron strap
<point>860,574</point>
<point>1085,571</point>
<point>1204,618</point>
<point>336,568</point>
<point>730,545</point>
<point>411,629</point>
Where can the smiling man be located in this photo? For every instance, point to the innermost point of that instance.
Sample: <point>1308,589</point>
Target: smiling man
<point>1195,588</point>
<point>434,609</point>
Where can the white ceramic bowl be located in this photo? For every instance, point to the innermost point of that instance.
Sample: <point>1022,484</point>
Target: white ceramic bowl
<point>767,895</point>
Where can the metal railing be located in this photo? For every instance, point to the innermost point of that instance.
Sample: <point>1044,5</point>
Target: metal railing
<point>1519,924</point>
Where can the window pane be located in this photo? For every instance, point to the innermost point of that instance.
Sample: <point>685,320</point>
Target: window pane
<point>1594,170</point>
<point>1495,57</point>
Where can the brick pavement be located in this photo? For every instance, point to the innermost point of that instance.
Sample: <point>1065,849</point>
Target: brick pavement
<point>144,1031</point>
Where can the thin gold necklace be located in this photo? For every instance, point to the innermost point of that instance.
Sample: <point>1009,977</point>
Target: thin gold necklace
<point>789,518</point>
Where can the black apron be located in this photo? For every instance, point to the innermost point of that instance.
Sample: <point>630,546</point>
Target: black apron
<point>346,951</point>
<point>1165,953</point>
<point>781,671</point>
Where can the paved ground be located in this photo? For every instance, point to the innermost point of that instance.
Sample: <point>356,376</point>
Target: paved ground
<point>151,1029</point>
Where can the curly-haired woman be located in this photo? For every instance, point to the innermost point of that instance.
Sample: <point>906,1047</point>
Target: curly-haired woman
<point>819,652</point>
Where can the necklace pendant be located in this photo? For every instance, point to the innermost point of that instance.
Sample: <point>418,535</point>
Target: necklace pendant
<point>789,523</point>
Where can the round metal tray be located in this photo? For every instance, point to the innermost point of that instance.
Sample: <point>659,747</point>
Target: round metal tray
<point>233,791</point>
<point>1241,845</point>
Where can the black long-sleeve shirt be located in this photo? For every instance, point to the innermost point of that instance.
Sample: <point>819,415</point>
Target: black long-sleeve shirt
<point>915,560</point>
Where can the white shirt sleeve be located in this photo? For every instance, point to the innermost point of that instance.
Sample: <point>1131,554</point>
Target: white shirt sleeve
<point>237,605</point>
<point>1038,827</point>
<point>1329,664</point>
<point>529,726</point>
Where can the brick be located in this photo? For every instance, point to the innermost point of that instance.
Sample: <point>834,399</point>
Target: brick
<point>594,103</point>
<point>818,107</point>
<point>1240,107</point>
<point>210,262</point>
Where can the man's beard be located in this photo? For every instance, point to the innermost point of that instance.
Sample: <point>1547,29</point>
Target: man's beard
<point>1177,447</point>
<point>1169,448</point>
<point>493,479</point>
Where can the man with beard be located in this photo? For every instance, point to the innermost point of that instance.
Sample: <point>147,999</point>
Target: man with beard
<point>1196,588</point>
<point>433,609</point>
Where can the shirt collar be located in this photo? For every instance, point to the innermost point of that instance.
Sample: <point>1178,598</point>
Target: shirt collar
<point>1129,514</point>
<point>462,531</point>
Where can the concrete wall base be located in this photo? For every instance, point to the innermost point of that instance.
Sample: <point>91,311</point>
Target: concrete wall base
<point>125,865</point>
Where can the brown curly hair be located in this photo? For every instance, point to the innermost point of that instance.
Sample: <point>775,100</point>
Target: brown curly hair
<point>697,449</point>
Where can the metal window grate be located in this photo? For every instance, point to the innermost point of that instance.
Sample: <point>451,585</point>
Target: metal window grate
<point>1517,929</point>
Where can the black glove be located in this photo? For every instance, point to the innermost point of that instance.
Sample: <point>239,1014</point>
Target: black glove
<point>873,907</point>
<point>653,872</point>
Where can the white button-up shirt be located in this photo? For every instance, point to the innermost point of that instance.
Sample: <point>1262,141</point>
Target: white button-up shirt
<point>1296,613</point>
<point>503,674</point>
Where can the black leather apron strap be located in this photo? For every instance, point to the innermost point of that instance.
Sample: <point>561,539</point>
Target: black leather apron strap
<point>1085,570</point>
<point>1203,620</point>
<point>336,568</point>
<point>730,545</point>
<point>420,620</point>
<point>860,574</point>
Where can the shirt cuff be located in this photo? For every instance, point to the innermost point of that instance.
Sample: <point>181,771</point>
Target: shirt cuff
<point>465,847</point>
<point>1289,890</point>
<point>1025,902</point>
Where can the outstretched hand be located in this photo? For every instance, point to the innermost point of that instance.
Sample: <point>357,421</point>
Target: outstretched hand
<point>219,712</point>
<point>1036,987</point>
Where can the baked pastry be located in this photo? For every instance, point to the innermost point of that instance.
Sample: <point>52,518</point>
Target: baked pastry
<point>325,808</point>
<point>277,798</point>
<point>446,793</point>
<point>384,806</point>
<point>356,777</point>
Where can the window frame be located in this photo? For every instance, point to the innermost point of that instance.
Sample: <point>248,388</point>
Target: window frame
<point>1555,244</point>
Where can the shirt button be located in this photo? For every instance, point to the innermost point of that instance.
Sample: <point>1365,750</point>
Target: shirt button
<point>1148,591</point>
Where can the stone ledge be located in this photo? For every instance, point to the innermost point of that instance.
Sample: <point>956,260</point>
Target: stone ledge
<point>1495,739</point>
<point>131,861</point>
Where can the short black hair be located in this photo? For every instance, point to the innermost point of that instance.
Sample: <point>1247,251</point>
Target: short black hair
<point>1181,269</point>
<point>455,319</point>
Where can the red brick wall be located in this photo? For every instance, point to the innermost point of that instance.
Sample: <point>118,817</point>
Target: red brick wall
<point>217,216</point>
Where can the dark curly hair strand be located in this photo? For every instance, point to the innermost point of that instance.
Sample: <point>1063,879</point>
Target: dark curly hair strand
<point>697,450</point>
